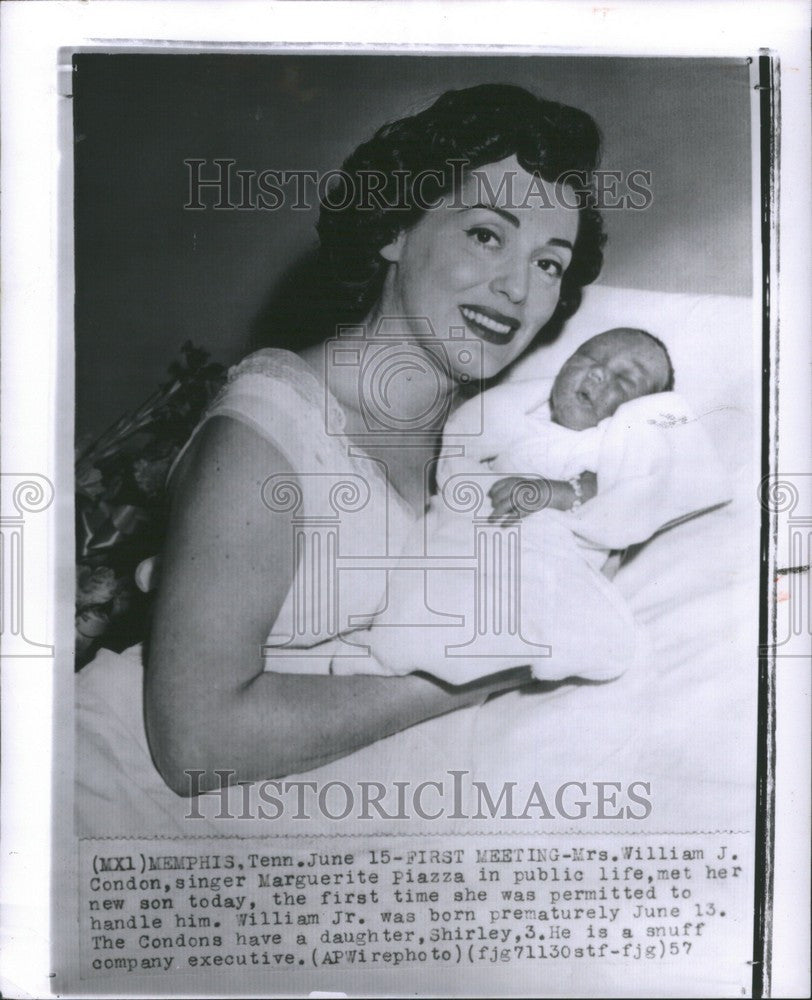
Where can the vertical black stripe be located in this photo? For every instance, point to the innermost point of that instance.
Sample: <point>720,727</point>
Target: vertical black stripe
<point>765,769</point>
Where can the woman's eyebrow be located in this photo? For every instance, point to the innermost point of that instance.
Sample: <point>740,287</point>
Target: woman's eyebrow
<point>508,216</point>
<point>554,241</point>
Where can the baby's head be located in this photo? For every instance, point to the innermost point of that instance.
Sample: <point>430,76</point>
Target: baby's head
<point>609,369</point>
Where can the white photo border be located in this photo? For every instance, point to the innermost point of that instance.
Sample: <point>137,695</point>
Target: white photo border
<point>37,411</point>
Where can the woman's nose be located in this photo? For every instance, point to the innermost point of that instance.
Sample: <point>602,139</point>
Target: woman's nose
<point>513,283</point>
<point>597,373</point>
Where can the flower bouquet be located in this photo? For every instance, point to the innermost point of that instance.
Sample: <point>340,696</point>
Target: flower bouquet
<point>122,506</point>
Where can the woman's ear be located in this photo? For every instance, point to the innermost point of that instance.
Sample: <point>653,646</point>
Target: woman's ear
<point>393,250</point>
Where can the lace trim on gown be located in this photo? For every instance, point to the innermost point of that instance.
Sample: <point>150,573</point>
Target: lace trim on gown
<point>294,372</point>
<point>294,416</point>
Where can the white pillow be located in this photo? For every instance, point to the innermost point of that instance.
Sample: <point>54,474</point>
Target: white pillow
<point>711,340</point>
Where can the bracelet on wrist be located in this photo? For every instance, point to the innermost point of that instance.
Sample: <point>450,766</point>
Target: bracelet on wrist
<point>575,483</point>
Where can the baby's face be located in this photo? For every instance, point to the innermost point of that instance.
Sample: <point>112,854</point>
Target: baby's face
<point>607,370</point>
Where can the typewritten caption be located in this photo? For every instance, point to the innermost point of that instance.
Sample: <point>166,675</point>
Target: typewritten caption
<point>179,906</point>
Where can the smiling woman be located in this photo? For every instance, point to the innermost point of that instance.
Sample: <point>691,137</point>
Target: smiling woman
<point>491,145</point>
<point>460,289</point>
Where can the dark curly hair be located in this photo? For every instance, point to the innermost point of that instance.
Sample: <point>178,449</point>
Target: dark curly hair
<point>478,126</point>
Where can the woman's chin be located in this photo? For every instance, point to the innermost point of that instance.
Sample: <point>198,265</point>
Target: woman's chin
<point>495,362</point>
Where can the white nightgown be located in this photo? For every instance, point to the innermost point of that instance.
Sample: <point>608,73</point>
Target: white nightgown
<point>340,499</point>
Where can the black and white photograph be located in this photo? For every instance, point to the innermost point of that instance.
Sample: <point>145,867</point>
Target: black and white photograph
<point>419,540</point>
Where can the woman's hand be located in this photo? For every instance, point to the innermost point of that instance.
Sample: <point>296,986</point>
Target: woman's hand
<point>517,496</point>
<point>228,566</point>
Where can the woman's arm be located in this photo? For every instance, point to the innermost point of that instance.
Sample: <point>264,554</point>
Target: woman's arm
<point>227,569</point>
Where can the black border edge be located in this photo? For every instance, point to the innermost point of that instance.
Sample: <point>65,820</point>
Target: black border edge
<point>769,128</point>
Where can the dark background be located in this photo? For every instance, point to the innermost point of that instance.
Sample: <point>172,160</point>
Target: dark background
<point>151,274</point>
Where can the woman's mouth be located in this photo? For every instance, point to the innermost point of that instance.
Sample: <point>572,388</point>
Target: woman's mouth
<point>489,325</point>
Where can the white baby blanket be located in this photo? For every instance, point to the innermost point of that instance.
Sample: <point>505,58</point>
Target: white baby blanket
<point>473,598</point>
<point>654,460</point>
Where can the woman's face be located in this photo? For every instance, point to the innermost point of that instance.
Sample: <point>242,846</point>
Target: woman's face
<point>493,269</point>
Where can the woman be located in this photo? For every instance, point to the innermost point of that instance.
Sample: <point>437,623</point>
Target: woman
<point>499,249</point>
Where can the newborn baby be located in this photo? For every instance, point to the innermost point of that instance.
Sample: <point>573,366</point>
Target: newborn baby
<point>609,369</point>
<point>602,457</point>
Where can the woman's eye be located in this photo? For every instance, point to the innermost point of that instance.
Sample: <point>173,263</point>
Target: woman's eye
<point>485,237</point>
<point>550,266</point>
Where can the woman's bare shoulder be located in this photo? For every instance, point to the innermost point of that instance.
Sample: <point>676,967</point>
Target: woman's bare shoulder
<point>225,456</point>
<point>221,527</point>
<point>227,564</point>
